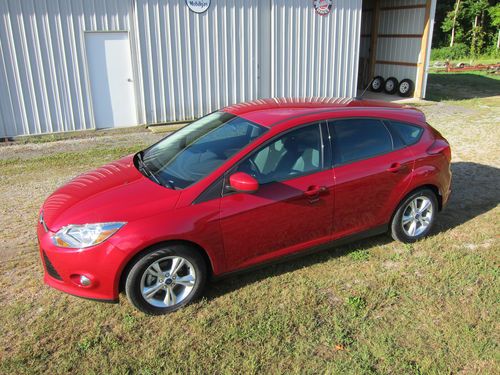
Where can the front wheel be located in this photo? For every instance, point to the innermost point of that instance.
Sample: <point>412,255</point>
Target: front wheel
<point>166,279</point>
<point>414,217</point>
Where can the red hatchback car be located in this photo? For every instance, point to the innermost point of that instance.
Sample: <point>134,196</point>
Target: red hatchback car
<point>239,187</point>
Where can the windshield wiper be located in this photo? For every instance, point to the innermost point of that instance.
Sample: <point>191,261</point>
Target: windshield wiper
<point>145,169</point>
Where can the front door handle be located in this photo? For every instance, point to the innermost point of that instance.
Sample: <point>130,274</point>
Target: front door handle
<point>313,192</point>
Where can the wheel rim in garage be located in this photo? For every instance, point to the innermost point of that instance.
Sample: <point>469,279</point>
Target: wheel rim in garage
<point>405,87</point>
<point>168,281</point>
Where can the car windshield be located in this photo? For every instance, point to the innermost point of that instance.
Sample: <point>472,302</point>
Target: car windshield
<point>195,151</point>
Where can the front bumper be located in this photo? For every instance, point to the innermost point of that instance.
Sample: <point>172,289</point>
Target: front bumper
<point>101,264</point>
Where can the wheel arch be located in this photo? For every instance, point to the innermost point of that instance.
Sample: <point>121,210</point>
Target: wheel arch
<point>130,263</point>
<point>431,187</point>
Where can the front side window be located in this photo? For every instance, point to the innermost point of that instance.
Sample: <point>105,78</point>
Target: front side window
<point>296,153</point>
<point>357,139</point>
<point>195,151</point>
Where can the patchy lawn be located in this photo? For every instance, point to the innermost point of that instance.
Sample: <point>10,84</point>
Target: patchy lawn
<point>458,86</point>
<point>375,306</point>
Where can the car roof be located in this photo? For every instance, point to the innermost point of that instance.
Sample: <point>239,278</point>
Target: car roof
<point>268,112</point>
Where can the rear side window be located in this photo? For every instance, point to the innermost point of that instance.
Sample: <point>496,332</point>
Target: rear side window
<point>410,134</point>
<point>357,139</point>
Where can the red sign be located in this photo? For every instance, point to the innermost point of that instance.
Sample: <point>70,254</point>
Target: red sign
<point>323,7</point>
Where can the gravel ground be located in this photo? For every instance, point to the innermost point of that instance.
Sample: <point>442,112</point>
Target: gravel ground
<point>23,190</point>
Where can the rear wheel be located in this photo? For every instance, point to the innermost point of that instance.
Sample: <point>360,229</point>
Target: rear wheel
<point>166,279</point>
<point>415,216</point>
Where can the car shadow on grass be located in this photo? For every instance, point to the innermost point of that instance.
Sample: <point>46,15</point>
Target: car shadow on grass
<point>474,192</point>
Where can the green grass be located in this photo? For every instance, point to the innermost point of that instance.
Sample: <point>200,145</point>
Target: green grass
<point>372,307</point>
<point>90,158</point>
<point>458,86</point>
<point>44,138</point>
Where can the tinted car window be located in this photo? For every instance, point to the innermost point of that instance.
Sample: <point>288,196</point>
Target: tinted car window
<point>196,150</point>
<point>296,153</point>
<point>357,139</point>
<point>410,134</point>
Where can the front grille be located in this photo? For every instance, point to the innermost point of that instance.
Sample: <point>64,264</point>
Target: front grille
<point>50,268</point>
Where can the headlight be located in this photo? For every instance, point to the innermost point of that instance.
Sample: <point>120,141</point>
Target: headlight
<point>81,236</point>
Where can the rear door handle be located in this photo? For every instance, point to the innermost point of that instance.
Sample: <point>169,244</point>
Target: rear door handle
<point>395,167</point>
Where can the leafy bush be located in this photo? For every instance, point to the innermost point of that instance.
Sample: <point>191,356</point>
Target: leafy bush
<point>493,52</point>
<point>458,51</point>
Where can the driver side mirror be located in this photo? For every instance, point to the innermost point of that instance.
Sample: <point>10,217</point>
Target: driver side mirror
<point>243,183</point>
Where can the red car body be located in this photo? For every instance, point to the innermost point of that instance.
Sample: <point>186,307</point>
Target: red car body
<point>237,231</point>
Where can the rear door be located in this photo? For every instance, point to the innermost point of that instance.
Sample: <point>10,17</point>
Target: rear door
<point>372,170</point>
<point>293,206</point>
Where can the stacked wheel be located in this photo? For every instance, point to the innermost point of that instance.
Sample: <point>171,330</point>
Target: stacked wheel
<point>406,87</point>
<point>391,85</point>
<point>377,84</point>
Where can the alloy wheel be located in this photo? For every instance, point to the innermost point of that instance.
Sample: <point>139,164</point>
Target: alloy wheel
<point>168,281</point>
<point>417,216</point>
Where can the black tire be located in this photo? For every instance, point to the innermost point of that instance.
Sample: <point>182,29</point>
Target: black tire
<point>134,277</point>
<point>377,84</point>
<point>406,88</point>
<point>391,85</point>
<point>396,228</point>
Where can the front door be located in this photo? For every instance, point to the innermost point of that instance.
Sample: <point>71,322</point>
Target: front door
<point>293,206</point>
<point>111,79</point>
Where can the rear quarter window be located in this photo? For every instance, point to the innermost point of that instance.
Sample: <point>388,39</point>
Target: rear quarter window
<point>410,134</point>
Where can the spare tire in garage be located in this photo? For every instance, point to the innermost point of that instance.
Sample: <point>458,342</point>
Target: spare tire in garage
<point>377,84</point>
<point>406,87</point>
<point>391,85</point>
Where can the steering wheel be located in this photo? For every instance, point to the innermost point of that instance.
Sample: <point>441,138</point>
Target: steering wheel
<point>254,170</point>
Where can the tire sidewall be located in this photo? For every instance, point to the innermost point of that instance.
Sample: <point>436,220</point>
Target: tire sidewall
<point>133,281</point>
<point>397,231</point>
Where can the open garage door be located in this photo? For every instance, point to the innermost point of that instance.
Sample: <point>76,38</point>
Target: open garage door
<point>395,45</point>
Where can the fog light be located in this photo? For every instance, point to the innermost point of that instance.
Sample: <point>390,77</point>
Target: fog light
<point>85,281</point>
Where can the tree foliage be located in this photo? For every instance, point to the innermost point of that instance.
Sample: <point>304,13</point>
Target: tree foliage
<point>474,23</point>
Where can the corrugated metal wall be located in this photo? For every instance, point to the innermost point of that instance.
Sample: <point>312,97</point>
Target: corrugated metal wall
<point>314,55</point>
<point>185,64</point>
<point>191,63</point>
<point>43,78</point>
<point>399,21</point>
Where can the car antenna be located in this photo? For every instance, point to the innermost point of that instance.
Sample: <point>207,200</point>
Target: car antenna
<point>360,97</point>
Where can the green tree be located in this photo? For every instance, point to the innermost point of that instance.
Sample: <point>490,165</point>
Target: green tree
<point>475,11</point>
<point>451,22</point>
<point>494,12</point>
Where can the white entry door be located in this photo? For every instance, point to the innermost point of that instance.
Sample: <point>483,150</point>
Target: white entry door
<point>111,79</point>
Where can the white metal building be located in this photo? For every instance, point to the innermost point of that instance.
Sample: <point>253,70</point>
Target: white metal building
<point>70,65</point>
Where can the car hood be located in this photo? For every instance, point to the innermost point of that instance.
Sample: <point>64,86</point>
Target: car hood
<point>114,192</point>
